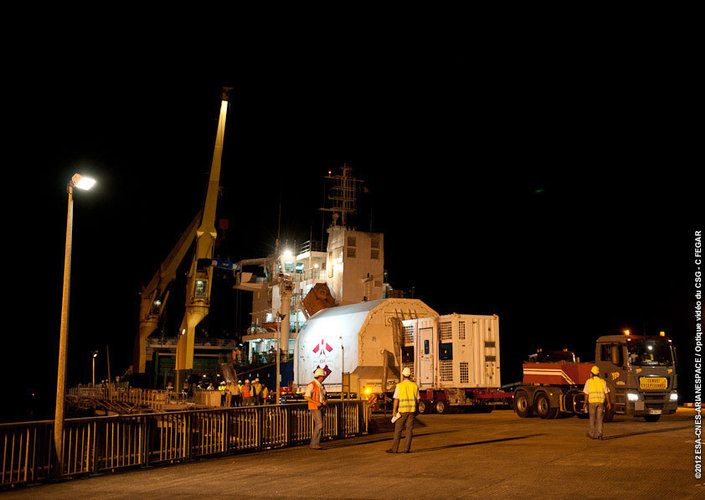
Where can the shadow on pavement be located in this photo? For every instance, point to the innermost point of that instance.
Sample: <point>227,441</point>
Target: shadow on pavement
<point>459,445</point>
<point>655,431</point>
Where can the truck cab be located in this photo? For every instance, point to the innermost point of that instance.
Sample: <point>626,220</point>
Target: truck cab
<point>640,372</point>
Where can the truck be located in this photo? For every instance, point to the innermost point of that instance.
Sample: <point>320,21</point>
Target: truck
<point>364,347</point>
<point>640,372</point>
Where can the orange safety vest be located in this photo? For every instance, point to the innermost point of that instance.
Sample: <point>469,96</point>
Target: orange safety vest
<point>315,395</point>
<point>245,391</point>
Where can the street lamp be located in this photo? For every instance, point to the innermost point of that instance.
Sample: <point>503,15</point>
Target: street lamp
<point>95,355</point>
<point>84,183</point>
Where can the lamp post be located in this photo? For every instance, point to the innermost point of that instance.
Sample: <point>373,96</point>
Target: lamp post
<point>95,355</point>
<point>84,183</point>
<point>279,354</point>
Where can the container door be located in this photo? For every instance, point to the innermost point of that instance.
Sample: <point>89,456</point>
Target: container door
<point>426,357</point>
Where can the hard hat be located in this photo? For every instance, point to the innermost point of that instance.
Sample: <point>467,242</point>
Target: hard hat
<point>320,372</point>
<point>595,370</point>
<point>406,372</point>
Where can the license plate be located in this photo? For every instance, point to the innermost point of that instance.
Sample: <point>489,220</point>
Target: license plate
<point>654,412</point>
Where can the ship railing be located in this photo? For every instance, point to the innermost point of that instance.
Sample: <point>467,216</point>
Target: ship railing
<point>107,444</point>
<point>198,341</point>
<point>311,246</point>
<point>312,274</point>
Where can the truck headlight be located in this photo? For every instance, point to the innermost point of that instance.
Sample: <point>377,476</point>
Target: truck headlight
<point>674,396</point>
<point>632,396</point>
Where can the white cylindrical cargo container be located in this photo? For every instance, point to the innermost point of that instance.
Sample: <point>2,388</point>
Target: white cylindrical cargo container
<point>360,335</point>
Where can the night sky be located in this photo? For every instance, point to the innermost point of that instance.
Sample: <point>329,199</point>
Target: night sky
<point>549,183</point>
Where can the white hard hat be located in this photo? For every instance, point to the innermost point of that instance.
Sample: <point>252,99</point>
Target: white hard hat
<point>406,372</point>
<point>320,372</point>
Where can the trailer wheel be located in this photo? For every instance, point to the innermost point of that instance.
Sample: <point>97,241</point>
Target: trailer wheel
<point>542,406</point>
<point>522,405</point>
<point>425,406</point>
<point>442,407</point>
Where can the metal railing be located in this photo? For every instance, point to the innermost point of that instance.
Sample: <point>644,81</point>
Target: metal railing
<point>105,444</point>
<point>150,398</point>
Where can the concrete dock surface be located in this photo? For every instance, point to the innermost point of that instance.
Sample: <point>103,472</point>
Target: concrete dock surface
<point>495,455</point>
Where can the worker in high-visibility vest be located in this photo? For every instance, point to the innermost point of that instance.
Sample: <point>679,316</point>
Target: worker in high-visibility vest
<point>406,399</point>
<point>257,392</point>
<point>596,397</point>
<point>316,396</point>
<point>237,393</point>
<point>247,393</point>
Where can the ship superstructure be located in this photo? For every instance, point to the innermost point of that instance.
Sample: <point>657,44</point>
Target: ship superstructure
<point>294,283</point>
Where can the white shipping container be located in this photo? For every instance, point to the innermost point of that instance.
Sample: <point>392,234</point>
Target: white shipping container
<point>453,351</point>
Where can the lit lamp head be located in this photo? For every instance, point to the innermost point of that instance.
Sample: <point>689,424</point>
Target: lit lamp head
<point>82,182</point>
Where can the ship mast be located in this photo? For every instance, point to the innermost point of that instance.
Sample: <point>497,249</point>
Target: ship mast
<point>343,194</point>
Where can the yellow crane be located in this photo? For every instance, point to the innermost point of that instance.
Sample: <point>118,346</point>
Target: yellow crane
<point>199,279</point>
<point>154,296</point>
<point>200,275</point>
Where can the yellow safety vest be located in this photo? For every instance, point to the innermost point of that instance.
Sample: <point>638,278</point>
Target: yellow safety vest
<point>407,396</point>
<point>596,390</point>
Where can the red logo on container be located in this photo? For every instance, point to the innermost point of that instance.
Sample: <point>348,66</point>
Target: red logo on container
<point>322,345</point>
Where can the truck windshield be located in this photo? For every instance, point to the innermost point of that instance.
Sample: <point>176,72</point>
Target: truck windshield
<point>650,352</point>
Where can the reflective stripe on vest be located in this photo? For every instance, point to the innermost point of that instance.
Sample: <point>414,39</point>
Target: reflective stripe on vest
<point>407,396</point>
<point>596,390</point>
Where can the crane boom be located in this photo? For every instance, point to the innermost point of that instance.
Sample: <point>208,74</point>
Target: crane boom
<point>155,294</point>
<point>199,280</point>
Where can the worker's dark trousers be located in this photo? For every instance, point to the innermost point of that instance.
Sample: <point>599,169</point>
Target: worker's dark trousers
<point>597,412</point>
<point>405,421</point>
<point>317,428</point>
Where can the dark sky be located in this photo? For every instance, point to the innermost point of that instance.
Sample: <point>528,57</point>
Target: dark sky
<point>546,181</point>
